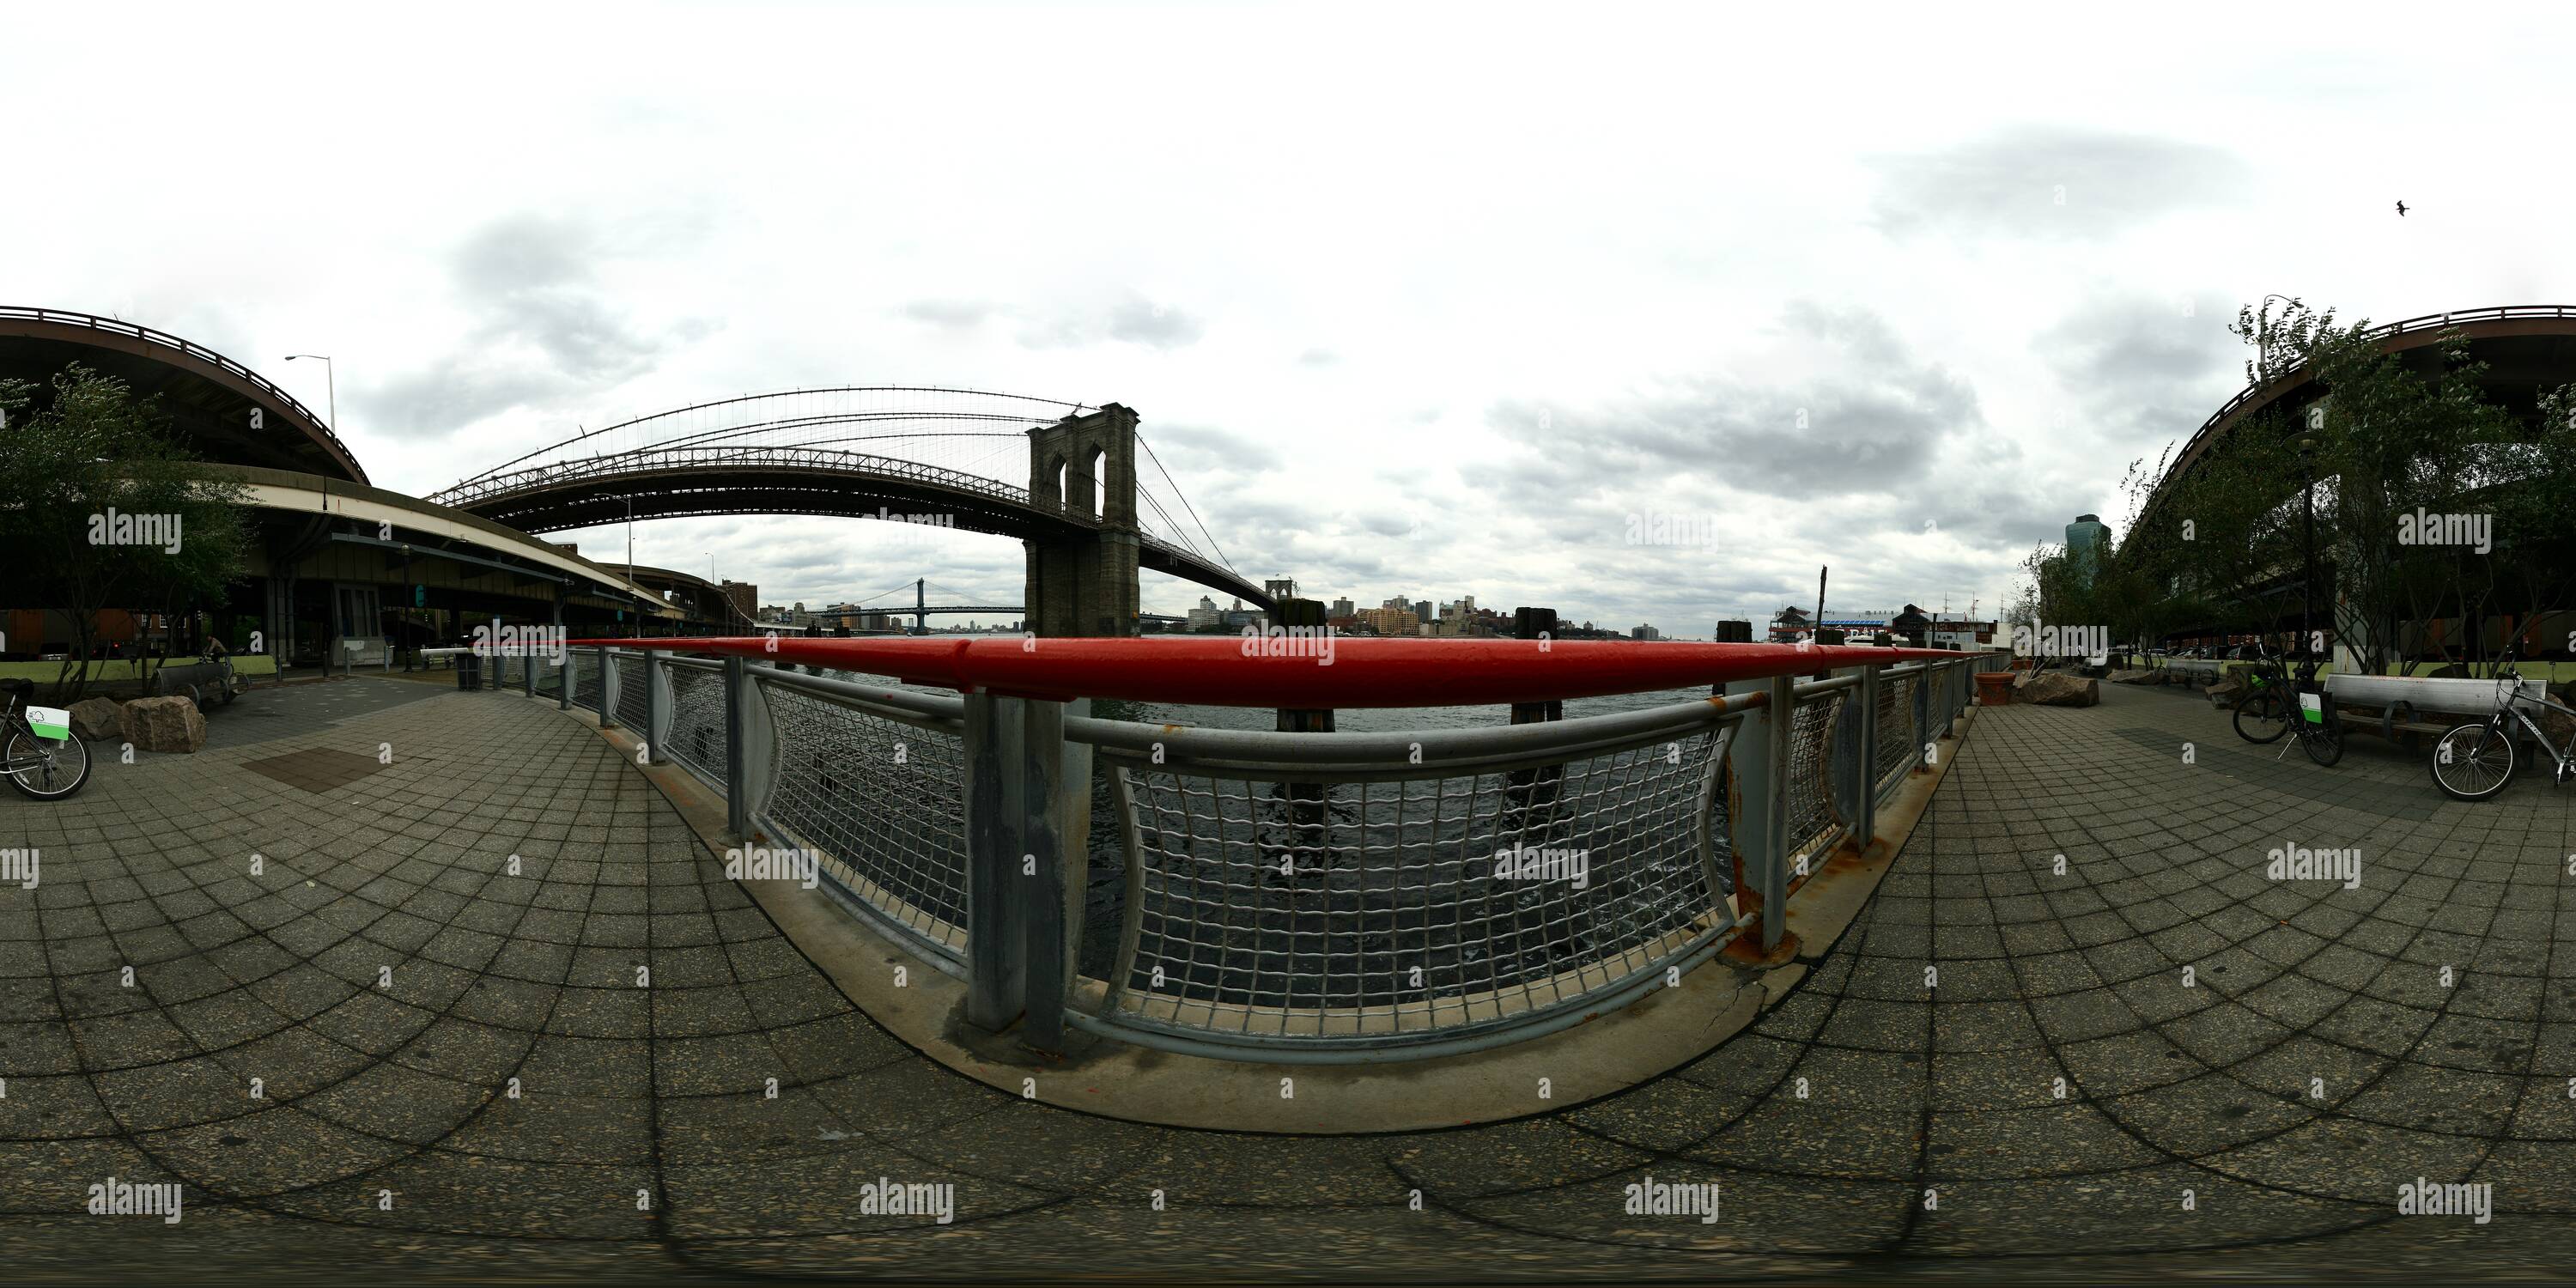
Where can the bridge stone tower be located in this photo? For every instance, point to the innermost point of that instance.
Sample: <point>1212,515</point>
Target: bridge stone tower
<point>1085,467</point>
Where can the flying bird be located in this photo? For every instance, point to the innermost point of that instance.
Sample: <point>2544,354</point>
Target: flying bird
<point>2401,210</point>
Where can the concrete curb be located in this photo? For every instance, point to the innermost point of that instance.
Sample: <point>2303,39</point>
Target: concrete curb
<point>923,1006</point>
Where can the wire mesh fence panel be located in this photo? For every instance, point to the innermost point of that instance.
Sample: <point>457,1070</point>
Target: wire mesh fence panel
<point>631,698</point>
<point>549,676</point>
<point>697,737</point>
<point>585,680</point>
<point>1898,745</point>
<point>882,803</point>
<point>1813,822</point>
<point>1266,908</point>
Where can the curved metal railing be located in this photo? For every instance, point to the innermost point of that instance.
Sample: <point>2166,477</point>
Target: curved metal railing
<point>2387,330</point>
<point>1293,889</point>
<point>199,352</point>
<point>2267,390</point>
<point>874,787</point>
<point>695,739</point>
<point>1289,896</point>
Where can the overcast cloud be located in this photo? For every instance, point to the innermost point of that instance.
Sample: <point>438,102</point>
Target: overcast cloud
<point>1412,300</point>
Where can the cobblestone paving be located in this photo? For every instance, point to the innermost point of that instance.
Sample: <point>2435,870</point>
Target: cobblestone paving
<point>386,979</point>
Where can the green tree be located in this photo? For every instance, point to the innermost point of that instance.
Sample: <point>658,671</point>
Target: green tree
<point>2389,435</point>
<point>2528,485</point>
<point>72,467</point>
<point>2389,441</point>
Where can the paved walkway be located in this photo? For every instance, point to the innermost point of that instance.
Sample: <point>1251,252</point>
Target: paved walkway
<point>1929,1140</point>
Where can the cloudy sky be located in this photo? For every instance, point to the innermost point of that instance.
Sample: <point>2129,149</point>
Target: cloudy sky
<point>1413,300</point>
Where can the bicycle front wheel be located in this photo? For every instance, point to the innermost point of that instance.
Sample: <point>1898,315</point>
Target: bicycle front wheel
<point>42,769</point>
<point>2261,716</point>
<point>2324,742</point>
<point>2473,762</point>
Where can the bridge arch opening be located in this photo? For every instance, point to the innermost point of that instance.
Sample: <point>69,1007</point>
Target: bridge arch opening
<point>1098,467</point>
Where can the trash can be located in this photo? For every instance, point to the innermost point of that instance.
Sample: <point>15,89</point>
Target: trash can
<point>469,671</point>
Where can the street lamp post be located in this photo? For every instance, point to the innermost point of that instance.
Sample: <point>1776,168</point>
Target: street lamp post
<point>2307,446</point>
<point>330,384</point>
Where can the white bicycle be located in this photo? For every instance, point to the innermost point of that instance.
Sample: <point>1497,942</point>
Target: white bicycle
<point>2475,761</point>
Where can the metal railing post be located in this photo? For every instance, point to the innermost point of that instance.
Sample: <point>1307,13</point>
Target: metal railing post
<point>657,708</point>
<point>1864,820</point>
<point>1056,778</point>
<point>1530,791</point>
<point>737,692</point>
<point>1922,717</point>
<point>760,754</point>
<point>1772,872</point>
<point>564,672</point>
<point>528,675</point>
<point>998,861</point>
<point>607,689</point>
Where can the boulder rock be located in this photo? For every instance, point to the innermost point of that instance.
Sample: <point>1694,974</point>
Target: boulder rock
<point>2059,690</point>
<point>2224,693</point>
<point>164,724</point>
<point>2133,677</point>
<point>95,719</point>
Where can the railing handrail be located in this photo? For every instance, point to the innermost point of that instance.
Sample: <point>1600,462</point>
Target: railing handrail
<point>1228,670</point>
<point>1423,753</point>
<point>194,350</point>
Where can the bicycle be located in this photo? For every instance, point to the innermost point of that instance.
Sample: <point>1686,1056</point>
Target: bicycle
<point>2474,761</point>
<point>2273,697</point>
<point>44,762</point>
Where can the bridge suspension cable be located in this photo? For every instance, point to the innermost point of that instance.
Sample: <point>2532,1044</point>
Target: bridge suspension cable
<point>805,409</point>
<point>1185,504</point>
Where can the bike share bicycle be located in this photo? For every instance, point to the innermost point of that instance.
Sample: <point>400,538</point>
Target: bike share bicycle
<point>2273,697</point>
<point>2475,761</point>
<point>38,754</point>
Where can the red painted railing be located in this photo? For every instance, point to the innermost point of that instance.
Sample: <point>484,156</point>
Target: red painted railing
<point>1239,671</point>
